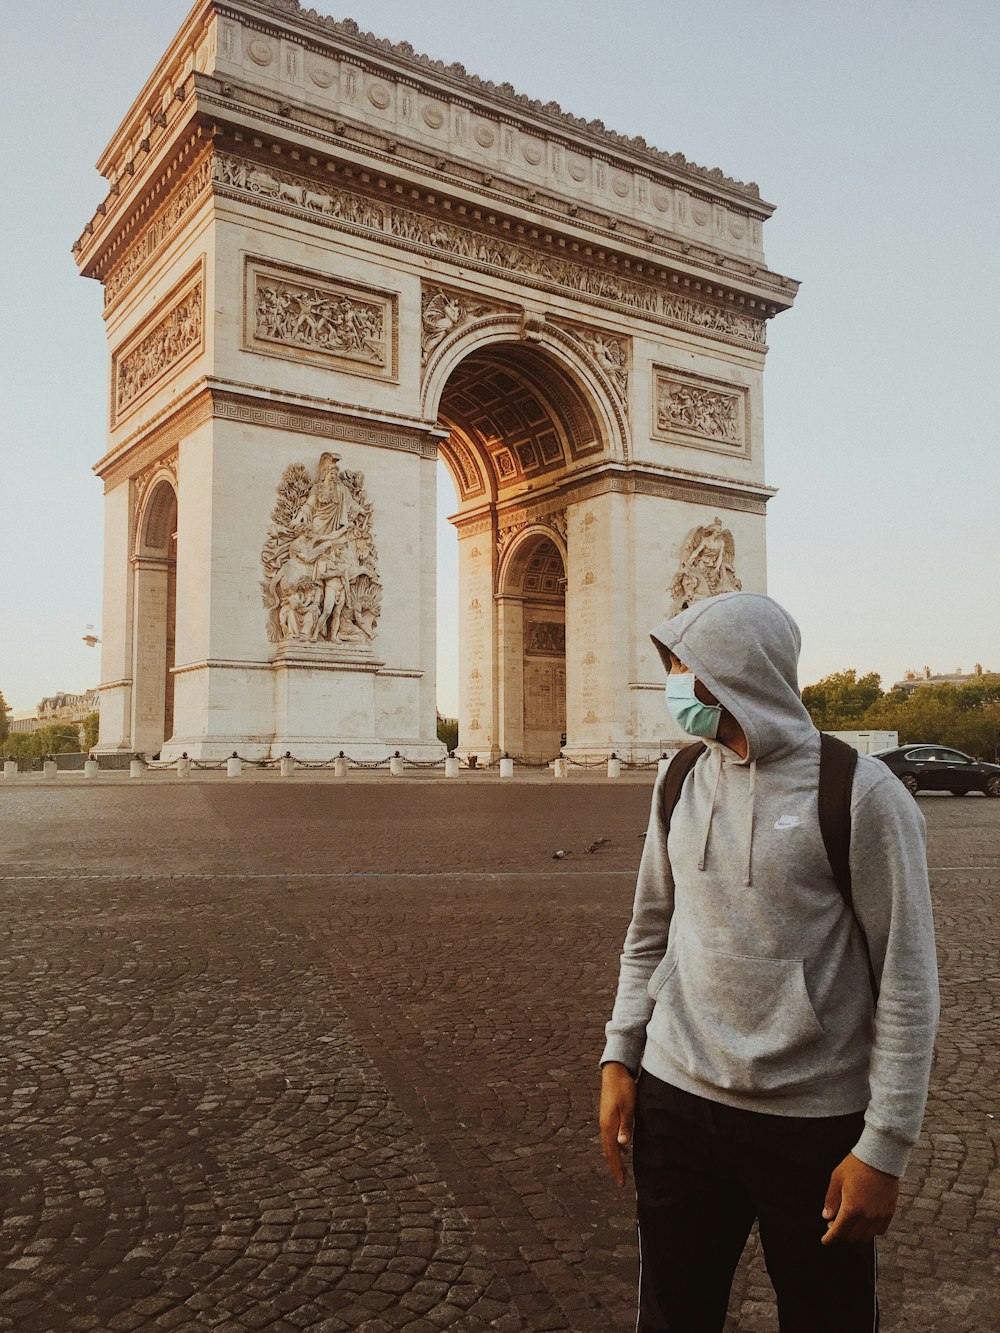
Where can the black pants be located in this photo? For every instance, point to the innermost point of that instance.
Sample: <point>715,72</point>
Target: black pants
<point>703,1173</point>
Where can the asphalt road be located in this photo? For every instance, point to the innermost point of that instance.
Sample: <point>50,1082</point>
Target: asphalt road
<point>295,1055</point>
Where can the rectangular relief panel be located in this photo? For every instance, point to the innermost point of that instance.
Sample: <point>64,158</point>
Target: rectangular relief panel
<point>301,315</point>
<point>171,336</point>
<point>700,412</point>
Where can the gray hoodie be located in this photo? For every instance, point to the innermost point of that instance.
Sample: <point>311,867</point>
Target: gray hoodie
<point>744,978</point>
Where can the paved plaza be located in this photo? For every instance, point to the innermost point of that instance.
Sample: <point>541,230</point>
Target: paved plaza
<point>322,1055</point>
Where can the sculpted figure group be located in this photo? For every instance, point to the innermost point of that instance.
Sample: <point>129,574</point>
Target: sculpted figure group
<point>707,566</point>
<point>324,320</point>
<point>321,567</point>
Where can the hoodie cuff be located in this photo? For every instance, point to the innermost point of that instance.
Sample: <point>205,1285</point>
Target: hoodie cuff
<point>625,1051</point>
<point>885,1152</point>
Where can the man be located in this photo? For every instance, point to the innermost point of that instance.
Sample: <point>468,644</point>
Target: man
<point>774,1084</point>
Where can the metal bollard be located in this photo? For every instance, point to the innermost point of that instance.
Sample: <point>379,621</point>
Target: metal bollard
<point>287,766</point>
<point>340,766</point>
<point>506,767</point>
<point>184,767</point>
<point>396,765</point>
<point>91,768</point>
<point>136,768</point>
<point>234,765</point>
<point>9,770</point>
<point>451,766</point>
<point>614,767</point>
<point>50,769</point>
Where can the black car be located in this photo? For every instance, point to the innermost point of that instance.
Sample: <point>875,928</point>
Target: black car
<point>937,768</point>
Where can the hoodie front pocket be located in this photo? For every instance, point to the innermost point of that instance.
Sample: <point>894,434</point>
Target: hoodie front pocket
<point>736,1021</point>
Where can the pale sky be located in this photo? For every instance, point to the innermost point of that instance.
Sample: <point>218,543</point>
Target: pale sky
<point>873,126</point>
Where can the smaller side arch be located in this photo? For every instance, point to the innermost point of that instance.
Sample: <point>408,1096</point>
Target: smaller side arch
<point>155,514</point>
<point>513,553</point>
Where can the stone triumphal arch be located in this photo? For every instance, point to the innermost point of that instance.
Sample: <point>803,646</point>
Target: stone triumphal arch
<point>328,261</point>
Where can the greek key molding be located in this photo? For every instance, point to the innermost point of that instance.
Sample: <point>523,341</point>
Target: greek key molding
<point>331,426</point>
<point>147,446</point>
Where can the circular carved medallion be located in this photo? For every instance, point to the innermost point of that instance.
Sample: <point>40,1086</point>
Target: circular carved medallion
<point>380,95</point>
<point>578,169</point>
<point>700,213</point>
<point>433,115</point>
<point>260,52</point>
<point>485,136</point>
<point>661,199</point>
<point>620,185</point>
<point>531,151</point>
<point>322,75</point>
<point>737,228</point>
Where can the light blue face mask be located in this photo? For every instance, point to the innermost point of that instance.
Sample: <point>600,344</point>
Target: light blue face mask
<point>688,711</point>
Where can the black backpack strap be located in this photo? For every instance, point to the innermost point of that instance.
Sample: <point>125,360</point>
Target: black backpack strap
<point>837,762</point>
<point>677,770</point>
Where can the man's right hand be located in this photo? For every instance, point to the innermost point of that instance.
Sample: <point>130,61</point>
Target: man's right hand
<point>617,1113</point>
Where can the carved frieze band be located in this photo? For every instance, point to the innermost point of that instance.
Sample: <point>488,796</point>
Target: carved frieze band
<point>301,315</point>
<point>187,194</point>
<point>706,413</point>
<point>342,208</point>
<point>147,357</point>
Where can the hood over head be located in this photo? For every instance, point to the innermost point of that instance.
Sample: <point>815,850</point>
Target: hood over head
<point>745,648</point>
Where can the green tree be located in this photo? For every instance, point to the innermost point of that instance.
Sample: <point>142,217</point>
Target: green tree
<point>447,731</point>
<point>89,727</point>
<point>4,719</point>
<point>839,701</point>
<point>18,745</point>
<point>59,738</point>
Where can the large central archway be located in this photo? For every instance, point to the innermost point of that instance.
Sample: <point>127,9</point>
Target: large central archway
<point>522,425</point>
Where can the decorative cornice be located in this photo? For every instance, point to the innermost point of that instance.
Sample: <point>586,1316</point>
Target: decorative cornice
<point>210,400</point>
<point>329,425</point>
<point>504,96</point>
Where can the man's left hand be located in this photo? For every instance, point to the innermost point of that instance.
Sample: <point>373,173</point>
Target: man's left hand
<point>860,1202</point>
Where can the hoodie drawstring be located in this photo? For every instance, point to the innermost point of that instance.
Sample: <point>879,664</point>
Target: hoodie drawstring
<point>751,795</point>
<point>711,810</point>
<point>750,803</point>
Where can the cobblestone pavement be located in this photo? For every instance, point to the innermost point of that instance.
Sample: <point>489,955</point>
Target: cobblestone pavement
<point>320,1055</point>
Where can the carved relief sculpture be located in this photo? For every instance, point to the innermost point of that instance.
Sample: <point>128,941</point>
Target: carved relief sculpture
<point>289,313</point>
<point>610,353</point>
<point>441,313</point>
<point>321,582</point>
<point>716,416</point>
<point>296,313</point>
<point>175,334</point>
<point>707,566</point>
<point>545,638</point>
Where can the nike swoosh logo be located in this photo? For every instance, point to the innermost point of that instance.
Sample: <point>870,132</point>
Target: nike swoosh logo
<point>788,821</point>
